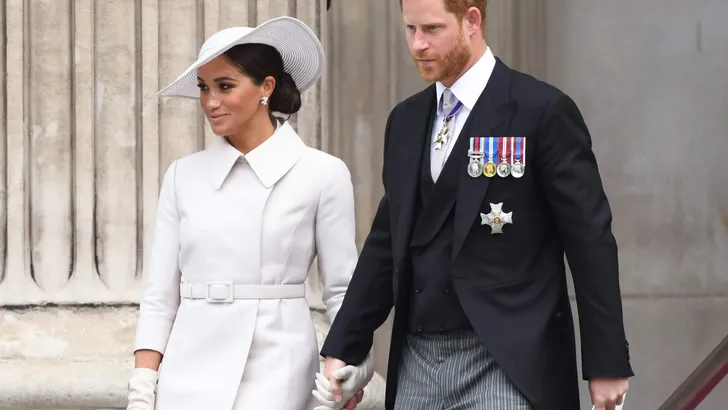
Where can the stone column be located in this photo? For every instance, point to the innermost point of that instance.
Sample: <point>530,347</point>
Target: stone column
<point>84,143</point>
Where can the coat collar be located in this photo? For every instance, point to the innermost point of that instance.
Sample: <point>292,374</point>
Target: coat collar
<point>468,88</point>
<point>270,161</point>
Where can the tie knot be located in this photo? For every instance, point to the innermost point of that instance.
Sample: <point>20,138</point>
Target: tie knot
<point>448,101</point>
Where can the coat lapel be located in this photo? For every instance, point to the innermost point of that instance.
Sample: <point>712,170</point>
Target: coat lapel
<point>407,163</point>
<point>491,116</point>
<point>444,191</point>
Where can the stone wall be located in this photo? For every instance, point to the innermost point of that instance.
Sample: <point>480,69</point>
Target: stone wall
<point>649,77</point>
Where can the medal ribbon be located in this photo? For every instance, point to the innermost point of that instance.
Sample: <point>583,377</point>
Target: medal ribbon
<point>453,112</point>
<point>492,150</point>
<point>445,120</point>
<point>520,150</point>
<point>505,149</point>
<point>476,145</point>
<point>523,154</point>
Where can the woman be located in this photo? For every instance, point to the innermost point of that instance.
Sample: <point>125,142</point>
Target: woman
<point>237,228</point>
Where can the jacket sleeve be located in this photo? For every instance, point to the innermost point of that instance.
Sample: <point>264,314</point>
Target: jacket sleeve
<point>160,299</point>
<point>370,297</point>
<point>568,172</point>
<point>336,237</point>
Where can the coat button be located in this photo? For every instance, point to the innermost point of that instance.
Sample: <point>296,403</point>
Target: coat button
<point>418,290</point>
<point>419,328</point>
<point>445,289</point>
<point>559,314</point>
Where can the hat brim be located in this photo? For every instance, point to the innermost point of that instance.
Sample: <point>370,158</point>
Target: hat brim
<point>301,50</point>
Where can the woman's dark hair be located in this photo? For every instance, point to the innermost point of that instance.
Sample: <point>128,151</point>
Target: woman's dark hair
<point>259,61</point>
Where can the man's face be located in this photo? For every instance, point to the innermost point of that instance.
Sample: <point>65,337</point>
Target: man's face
<point>436,39</point>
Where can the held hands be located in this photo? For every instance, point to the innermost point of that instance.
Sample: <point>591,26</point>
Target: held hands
<point>142,389</point>
<point>342,385</point>
<point>607,393</point>
<point>327,399</point>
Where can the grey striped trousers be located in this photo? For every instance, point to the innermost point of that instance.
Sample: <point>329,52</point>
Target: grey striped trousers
<point>453,371</point>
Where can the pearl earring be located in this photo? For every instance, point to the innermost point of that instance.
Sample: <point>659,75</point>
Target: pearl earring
<point>264,100</point>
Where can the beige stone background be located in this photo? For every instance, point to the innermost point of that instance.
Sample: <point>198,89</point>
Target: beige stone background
<point>84,142</point>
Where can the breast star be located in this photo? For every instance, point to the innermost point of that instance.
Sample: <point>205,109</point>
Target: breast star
<point>496,218</point>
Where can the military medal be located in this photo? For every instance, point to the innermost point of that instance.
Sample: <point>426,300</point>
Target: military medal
<point>444,133</point>
<point>441,137</point>
<point>491,152</point>
<point>475,166</point>
<point>496,218</point>
<point>519,157</point>
<point>504,168</point>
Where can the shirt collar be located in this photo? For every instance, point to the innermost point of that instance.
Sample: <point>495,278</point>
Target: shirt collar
<point>270,161</point>
<point>469,86</point>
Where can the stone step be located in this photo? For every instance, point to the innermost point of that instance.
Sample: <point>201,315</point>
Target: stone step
<point>66,358</point>
<point>63,384</point>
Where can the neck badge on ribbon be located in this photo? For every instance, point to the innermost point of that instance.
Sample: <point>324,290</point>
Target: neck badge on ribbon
<point>444,135</point>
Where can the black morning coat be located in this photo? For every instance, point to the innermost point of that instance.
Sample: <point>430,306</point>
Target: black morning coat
<point>512,286</point>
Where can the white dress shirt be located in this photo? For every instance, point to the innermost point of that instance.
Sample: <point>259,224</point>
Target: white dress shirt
<point>467,89</point>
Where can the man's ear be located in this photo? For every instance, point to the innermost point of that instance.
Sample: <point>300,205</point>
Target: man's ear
<point>474,20</point>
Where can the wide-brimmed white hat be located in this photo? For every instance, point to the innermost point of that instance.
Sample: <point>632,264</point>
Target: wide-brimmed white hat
<point>302,52</point>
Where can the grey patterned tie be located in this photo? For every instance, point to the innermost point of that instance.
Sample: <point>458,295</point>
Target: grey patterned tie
<point>438,155</point>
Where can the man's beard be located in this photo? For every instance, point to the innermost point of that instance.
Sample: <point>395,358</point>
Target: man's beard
<point>446,67</point>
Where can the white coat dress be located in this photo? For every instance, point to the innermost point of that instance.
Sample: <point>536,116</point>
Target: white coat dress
<point>227,220</point>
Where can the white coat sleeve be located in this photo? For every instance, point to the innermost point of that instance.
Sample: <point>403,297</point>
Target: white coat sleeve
<point>160,299</point>
<point>336,237</point>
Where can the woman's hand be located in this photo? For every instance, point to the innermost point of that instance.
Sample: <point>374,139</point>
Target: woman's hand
<point>142,389</point>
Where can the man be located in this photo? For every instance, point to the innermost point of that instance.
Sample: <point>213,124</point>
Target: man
<point>469,238</point>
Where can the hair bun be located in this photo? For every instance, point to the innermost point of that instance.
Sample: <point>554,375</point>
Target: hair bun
<point>286,98</point>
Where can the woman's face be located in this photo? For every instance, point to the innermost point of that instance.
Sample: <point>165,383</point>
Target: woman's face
<point>228,97</point>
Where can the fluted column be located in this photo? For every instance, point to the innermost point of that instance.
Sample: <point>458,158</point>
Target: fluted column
<point>85,141</point>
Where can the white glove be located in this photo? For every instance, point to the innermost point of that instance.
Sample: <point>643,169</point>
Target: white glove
<point>353,379</point>
<point>142,389</point>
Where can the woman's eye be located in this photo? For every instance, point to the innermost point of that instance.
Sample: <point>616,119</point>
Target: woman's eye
<point>202,87</point>
<point>225,86</point>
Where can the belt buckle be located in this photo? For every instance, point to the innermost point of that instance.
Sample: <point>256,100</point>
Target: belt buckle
<point>226,299</point>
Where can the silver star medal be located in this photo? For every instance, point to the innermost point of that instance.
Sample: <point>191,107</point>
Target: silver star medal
<point>496,218</point>
<point>442,136</point>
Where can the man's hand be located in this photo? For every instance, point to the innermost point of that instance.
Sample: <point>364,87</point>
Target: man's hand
<point>607,393</point>
<point>333,364</point>
<point>342,382</point>
<point>327,400</point>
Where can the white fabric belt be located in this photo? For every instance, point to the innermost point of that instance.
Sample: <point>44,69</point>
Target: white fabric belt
<point>226,292</point>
